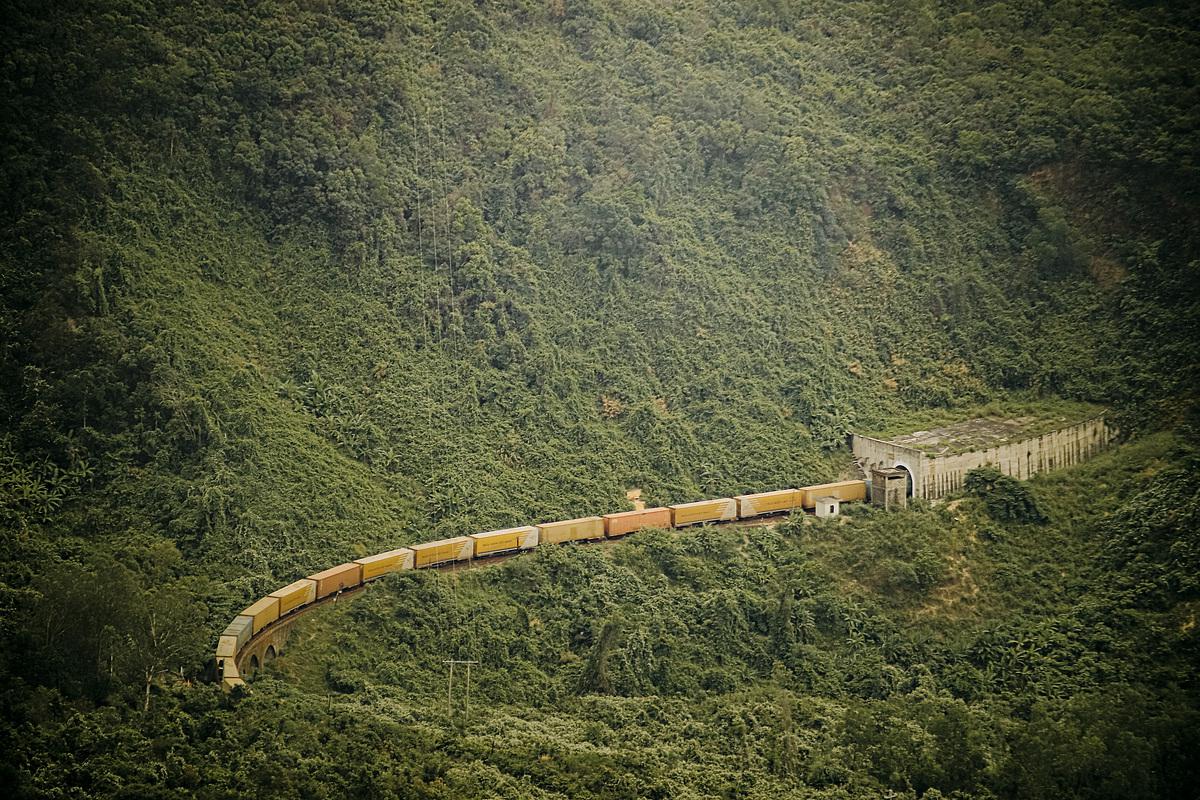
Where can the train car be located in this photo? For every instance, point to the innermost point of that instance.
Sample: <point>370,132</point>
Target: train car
<point>294,595</point>
<point>625,522</point>
<point>262,613</point>
<point>430,554</point>
<point>227,650</point>
<point>718,510</point>
<point>240,630</point>
<point>571,530</point>
<point>337,579</point>
<point>231,676</point>
<point>504,541</point>
<point>756,505</point>
<point>233,639</point>
<point>845,491</point>
<point>381,564</point>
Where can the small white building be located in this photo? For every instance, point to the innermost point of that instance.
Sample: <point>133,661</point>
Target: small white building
<point>828,506</point>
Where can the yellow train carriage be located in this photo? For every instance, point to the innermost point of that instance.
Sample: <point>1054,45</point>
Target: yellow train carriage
<point>232,640</point>
<point>227,650</point>
<point>294,595</point>
<point>845,491</point>
<point>756,505</point>
<point>230,675</point>
<point>505,540</point>
<point>262,613</point>
<point>429,554</point>
<point>718,510</point>
<point>571,530</point>
<point>381,564</point>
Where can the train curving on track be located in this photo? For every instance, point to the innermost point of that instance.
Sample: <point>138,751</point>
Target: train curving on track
<point>257,634</point>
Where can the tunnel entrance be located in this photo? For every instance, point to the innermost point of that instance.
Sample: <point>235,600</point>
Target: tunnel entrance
<point>908,477</point>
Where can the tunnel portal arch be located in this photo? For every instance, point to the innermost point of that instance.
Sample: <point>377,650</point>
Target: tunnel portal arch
<point>911,488</point>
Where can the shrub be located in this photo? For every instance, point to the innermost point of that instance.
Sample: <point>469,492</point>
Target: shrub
<point>1006,499</point>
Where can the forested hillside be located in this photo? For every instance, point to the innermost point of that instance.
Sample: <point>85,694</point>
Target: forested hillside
<point>287,283</point>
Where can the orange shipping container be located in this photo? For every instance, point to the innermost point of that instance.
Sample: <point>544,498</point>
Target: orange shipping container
<point>523,538</point>
<point>754,505</point>
<point>336,579</point>
<point>263,612</point>
<point>845,491</point>
<point>383,563</point>
<point>629,521</point>
<point>428,554</point>
<point>571,530</point>
<point>294,595</point>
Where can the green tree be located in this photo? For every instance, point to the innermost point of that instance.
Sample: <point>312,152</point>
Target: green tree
<point>164,634</point>
<point>1006,498</point>
<point>595,676</point>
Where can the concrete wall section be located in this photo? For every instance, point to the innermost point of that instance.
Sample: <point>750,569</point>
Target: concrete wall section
<point>879,454</point>
<point>936,476</point>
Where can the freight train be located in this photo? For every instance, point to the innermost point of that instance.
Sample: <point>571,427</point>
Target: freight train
<point>293,598</point>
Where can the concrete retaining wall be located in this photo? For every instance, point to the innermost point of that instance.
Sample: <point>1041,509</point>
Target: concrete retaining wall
<point>935,476</point>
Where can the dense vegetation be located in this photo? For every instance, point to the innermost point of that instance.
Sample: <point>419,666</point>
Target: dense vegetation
<point>1005,497</point>
<point>932,652</point>
<point>285,284</point>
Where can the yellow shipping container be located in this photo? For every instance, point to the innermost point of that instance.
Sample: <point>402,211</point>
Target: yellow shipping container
<point>428,554</point>
<point>754,505</point>
<point>263,612</point>
<point>717,510</point>
<point>845,491</point>
<point>294,595</point>
<point>523,538</point>
<point>230,676</point>
<point>383,563</point>
<point>571,530</point>
<point>227,647</point>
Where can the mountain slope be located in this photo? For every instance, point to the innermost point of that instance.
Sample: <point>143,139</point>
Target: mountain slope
<point>509,264</point>
<point>287,284</point>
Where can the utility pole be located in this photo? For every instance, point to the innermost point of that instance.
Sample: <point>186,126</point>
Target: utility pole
<point>450,687</point>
